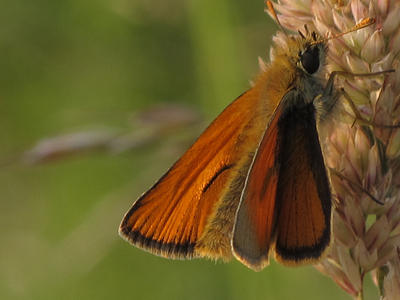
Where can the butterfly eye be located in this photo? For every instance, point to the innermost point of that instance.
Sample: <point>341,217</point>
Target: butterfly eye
<point>310,60</point>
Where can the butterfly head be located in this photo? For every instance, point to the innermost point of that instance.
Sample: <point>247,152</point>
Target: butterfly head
<point>305,52</point>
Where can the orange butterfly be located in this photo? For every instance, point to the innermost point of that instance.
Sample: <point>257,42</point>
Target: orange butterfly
<point>255,183</point>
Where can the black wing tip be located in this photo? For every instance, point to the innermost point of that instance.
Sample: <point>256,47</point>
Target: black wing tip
<point>159,248</point>
<point>303,256</point>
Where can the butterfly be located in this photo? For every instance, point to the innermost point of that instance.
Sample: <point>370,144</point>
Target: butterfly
<point>255,183</point>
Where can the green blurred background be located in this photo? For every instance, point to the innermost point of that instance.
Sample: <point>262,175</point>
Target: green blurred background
<point>70,66</point>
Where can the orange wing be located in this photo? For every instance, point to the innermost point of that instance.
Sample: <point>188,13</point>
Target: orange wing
<point>303,199</point>
<point>286,204</point>
<point>170,218</point>
<point>255,217</point>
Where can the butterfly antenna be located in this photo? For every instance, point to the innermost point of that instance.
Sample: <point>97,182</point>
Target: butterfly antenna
<point>273,14</point>
<point>362,24</point>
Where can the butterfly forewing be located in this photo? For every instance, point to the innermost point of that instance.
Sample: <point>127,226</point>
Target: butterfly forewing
<point>287,199</point>
<point>303,200</point>
<point>169,219</point>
